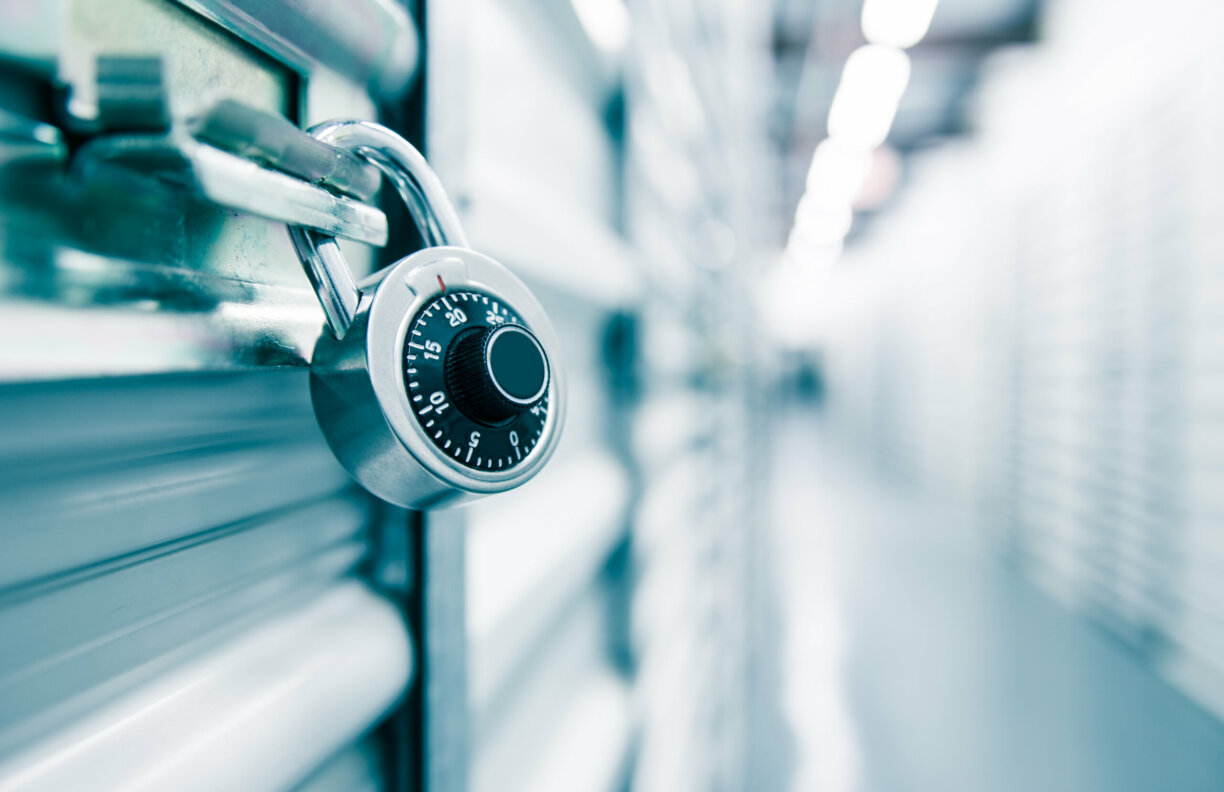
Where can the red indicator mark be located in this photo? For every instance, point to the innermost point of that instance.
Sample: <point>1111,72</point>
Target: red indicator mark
<point>441,285</point>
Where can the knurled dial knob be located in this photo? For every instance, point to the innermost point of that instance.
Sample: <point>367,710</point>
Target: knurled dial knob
<point>495,374</point>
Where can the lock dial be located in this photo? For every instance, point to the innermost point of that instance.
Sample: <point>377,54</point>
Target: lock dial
<point>477,380</point>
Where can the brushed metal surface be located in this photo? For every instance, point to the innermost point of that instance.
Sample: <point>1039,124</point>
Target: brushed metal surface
<point>256,713</point>
<point>145,518</point>
<point>370,42</point>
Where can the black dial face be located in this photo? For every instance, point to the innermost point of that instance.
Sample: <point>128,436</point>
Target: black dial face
<point>477,380</point>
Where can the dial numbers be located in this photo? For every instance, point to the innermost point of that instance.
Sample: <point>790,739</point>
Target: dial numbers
<point>471,443</point>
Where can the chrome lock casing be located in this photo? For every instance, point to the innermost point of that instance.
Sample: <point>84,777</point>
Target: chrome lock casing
<point>358,383</point>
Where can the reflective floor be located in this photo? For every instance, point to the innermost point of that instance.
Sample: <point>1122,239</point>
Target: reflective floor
<point>915,660</point>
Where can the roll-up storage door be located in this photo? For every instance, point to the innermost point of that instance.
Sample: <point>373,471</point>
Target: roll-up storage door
<point>191,590</point>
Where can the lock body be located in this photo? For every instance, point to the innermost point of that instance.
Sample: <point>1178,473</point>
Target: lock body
<point>390,437</point>
<point>437,379</point>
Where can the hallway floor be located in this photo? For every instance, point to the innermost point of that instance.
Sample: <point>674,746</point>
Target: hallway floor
<point>915,661</point>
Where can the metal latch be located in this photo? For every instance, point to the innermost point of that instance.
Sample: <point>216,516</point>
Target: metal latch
<point>254,162</point>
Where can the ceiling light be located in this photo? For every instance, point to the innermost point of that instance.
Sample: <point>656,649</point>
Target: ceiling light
<point>606,22</point>
<point>820,225</point>
<point>897,23</point>
<point>867,96</point>
<point>837,173</point>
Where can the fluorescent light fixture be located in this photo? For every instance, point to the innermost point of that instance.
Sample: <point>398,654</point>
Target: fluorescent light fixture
<point>816,224</point>
<point>837,173</point>
<point>867,96</point>
<point>897,23</point>
<point>605,21</point>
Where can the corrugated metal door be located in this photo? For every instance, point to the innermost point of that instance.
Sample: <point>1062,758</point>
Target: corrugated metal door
<point>192,593</point>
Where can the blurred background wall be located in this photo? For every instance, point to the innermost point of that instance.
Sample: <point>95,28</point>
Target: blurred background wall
<point>1016,349</point>
<point>1029,331</point>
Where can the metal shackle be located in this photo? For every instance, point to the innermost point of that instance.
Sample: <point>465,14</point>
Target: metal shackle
<point>419,188</point>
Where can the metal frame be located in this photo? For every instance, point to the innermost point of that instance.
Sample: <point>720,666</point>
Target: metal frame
<point>439,704</point>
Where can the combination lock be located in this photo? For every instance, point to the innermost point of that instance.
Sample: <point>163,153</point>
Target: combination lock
<point>437,378</point>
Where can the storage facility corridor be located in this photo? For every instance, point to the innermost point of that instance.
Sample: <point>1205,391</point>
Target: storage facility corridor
<point>916,659</point>
<point>611,395</point>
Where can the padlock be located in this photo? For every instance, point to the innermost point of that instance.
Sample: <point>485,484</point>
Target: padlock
<point>437,378</point>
